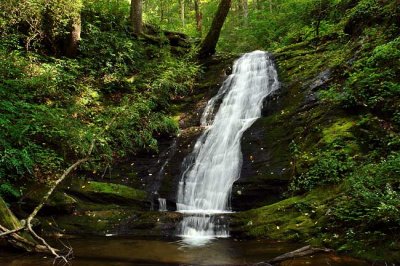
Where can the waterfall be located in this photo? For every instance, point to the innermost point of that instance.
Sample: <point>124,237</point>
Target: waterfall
<point>162,205</point>
<point>215,162</point>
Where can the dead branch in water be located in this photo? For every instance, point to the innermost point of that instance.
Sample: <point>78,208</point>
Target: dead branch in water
<point>301,252</point>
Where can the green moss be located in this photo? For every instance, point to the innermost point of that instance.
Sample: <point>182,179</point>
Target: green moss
<point>114,189</point>
<point>295,218</point>
<point>97,222</point>
<point>57,199</point>
<point>339,129</point>
<point>93,192</point>
<point>7,218</point>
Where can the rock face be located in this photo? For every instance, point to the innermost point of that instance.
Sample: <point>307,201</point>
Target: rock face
<point>266,158</point>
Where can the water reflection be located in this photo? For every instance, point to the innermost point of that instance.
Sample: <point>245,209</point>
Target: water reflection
<point>127,251</point>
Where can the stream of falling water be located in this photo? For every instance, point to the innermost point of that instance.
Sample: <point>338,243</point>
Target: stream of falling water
<point>216,160</point>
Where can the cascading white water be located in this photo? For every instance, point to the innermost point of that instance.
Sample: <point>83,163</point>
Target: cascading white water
<point>215,163</point>
<point>162,205</point>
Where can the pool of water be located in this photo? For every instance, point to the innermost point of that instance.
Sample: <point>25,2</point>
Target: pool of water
<point>120,251</point>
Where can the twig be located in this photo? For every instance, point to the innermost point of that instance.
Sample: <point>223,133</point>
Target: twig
<point>8,232</point>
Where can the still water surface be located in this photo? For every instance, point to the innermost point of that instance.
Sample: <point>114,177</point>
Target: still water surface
<point>132,251</point>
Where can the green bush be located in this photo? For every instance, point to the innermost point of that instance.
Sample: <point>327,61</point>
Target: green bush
<point>372,196</point>
<point>107,15</point>
<point>111,52</point>
<point>330,167</point>
<point>374,83</point>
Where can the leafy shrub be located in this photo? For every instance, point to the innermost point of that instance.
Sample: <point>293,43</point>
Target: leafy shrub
<point>107,15</point>
<point>330,167</point>
<point>110,52</point>
<point>8,191</point>
<point>38,22</point>
<point>374,83</point>
<point>372,196</point>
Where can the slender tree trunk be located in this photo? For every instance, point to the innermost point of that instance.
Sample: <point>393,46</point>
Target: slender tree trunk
<point>199,17</point>
<point>270,6</point>
<point>238,12</point>
<point>161,10</point>
<point>210,42</point>
<point>245,7</point>
<point>255,4</point>
<point>74,37</point>
<point>182,4</point>
<point>136,16</point>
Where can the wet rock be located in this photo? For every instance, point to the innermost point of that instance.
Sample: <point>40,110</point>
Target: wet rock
<point>266,165</point>
<point>150,224</point>
<point>58,203</point>
<point>321,80</point>
<point>99,208</point>
<point>100,219</point>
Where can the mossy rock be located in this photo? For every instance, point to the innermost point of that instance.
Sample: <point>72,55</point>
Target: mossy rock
<point>101,221</point>
<point>9,221</point>
<point>7,218</point>
<point>151,224</point>
<point>58,203</point>
<point>297,218</point>
<point>109,193</point>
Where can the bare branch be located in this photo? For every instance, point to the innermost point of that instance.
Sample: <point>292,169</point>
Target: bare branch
<point>8,232</point>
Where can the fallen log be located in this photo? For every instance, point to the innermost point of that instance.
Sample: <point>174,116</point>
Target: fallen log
<point>301,252</point>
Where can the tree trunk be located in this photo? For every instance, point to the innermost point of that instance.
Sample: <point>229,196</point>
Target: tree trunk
<point>161,10</point>
<point>182,4</point>
<point>245,6</point>
<point>136,16</point>
<point>74,37</point>
<point>210,42</point>
<point>199,17</point>
<point>17,237</point>
<point>255,4</point>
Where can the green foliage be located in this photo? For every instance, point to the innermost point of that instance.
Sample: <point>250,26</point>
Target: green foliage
<point>365,12</point>
<point>278,23</point>
<point>375,82</point>
<point>38,22</point>
<point>330,167</point>
<point>8,191</point>
<point>372,197</point>
<point>117,92</point>
<point>110,53</point>
<point>106,15</point>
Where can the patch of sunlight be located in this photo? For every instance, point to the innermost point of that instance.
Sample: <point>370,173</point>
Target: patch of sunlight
<point>339,129</point>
